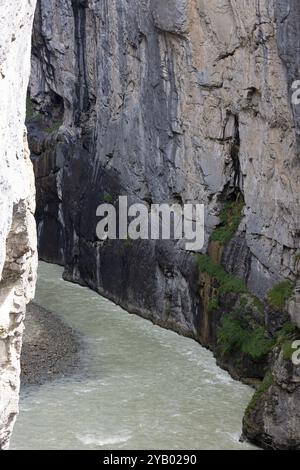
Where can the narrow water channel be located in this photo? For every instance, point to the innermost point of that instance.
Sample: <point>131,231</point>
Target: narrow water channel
<point>139,386</point>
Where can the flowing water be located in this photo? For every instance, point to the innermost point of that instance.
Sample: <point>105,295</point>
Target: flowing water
<point>139,387</point>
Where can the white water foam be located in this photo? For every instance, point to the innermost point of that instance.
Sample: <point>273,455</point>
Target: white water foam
<point>90,440</point>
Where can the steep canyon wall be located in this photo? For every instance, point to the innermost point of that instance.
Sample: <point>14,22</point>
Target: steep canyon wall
<point>175,101</point>
<point>17,203</point>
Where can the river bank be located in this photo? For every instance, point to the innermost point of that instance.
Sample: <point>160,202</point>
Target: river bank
<point>50,347</point>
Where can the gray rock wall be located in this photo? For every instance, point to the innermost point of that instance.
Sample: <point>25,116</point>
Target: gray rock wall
<point>17,203</point>
<point>153,95</point>
<point>167,101</point>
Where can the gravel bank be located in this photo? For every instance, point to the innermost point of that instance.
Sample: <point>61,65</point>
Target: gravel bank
<point>50,347</point>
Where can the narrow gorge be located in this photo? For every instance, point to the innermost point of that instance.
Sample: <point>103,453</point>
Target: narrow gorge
<point>162,101</point>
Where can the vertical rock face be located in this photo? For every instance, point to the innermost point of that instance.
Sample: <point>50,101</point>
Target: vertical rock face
<point>17,203</point>
<point>273,419</point>
<point>168,101</point>
<point>287,14</point>
<point>151,96</point>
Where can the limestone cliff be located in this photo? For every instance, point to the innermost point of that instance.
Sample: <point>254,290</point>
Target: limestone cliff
<point>17,203</point>
<point>172,101</point>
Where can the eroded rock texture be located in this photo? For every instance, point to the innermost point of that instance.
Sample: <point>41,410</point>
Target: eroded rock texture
<point>167,101</point>
<point>274,420</point>
<point>17,204</point>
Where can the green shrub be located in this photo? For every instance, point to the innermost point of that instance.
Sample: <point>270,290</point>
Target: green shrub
<point>233,337</point>
<point>233,284</point>
<point>230,335</point>
<point>213,305</point>
<point>280,294</point>
<point>228,283</point>
<point>230,219</point>
<point>208,266</point>
<point>257,344</point>
<point>288,330</point>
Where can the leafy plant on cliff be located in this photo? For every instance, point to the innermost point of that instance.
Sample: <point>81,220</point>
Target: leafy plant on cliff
<point>258,345</point>
<point>234,337</point>
<point>285,338</point>
<point>289,330</point>
<point>213,305</point>
<point>230,335</point>
<point>230,219</point>
<point>280,294</point>
<point>228,283</point>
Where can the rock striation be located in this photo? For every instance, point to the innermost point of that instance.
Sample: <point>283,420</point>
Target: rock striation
<point>175,101</point>
<point>18,260</point>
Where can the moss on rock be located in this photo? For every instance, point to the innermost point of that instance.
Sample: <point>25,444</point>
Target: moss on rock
<point>230,219</point>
